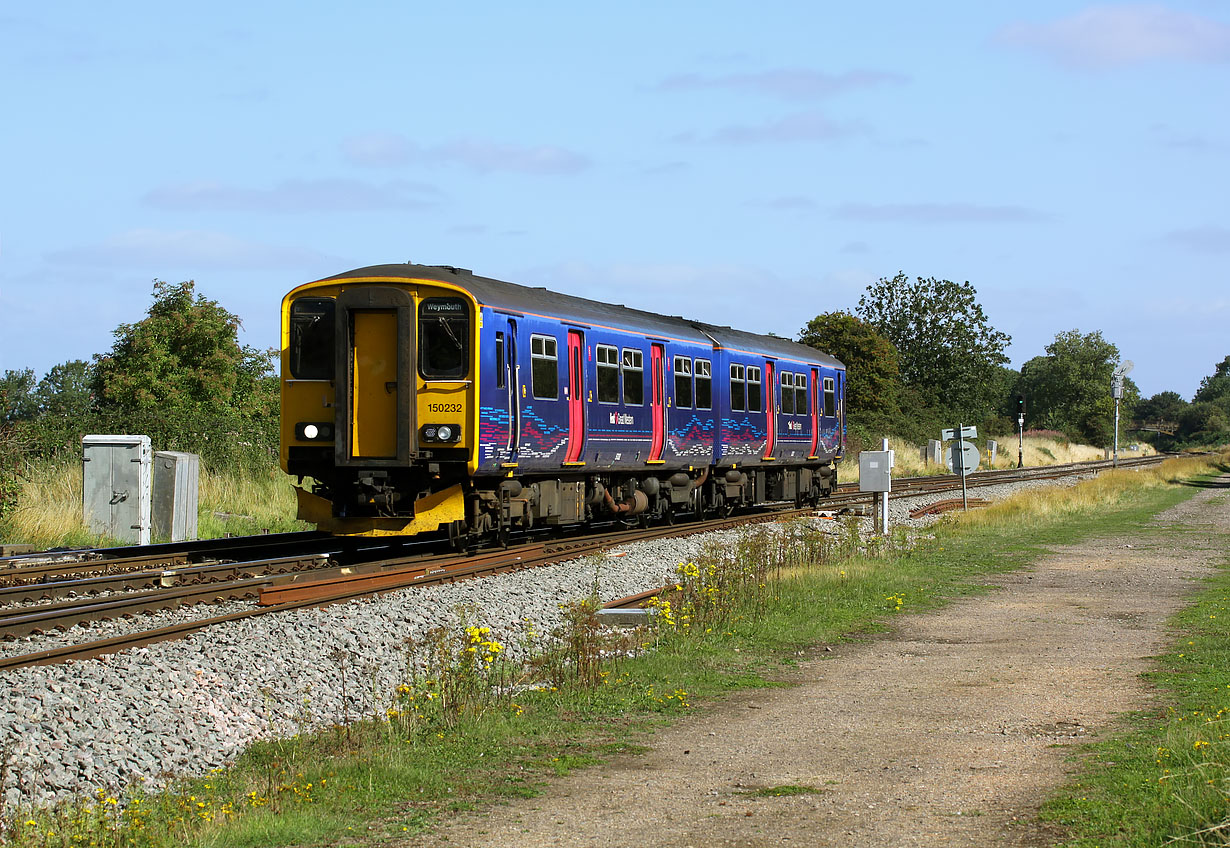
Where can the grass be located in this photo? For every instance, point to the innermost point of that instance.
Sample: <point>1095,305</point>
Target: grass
<point>400,772</point>
<point>48,511</point>
<point>1164,777</point>
<point>1038,450</point>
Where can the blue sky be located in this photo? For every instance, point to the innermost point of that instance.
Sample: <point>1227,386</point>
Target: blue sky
<point>745,164</point>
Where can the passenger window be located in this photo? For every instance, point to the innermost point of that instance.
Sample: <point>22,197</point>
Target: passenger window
<point>801,405</point>
<point>787,393</point>
<point>311,338</point>
<point>499,360</point>
<point>738,389</point>
<point>683,382</point>
<point>444,333</point>
<point>608,373</point>
<point>753,388</point>
<point>704,385</point>
<point>544,367</point>
<point>830,397</point>
<point>633,368</point>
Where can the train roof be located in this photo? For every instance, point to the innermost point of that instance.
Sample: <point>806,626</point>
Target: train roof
<point>513,297</point>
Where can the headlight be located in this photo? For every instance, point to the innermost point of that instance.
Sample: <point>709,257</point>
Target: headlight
<point>440,433</point>
<point>317,431</point>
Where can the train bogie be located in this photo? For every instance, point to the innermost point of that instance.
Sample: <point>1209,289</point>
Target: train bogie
<point>417,398</point>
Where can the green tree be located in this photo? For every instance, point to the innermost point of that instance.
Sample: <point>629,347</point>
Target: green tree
<point>949,352</point>
<point>17,401</point>
<point>184,355</point>
<point>873,377</point>
<point>1204,423</point>
<point>1217,386</point>
<point>64,392</point>
<point>1069,389</point>
<point>1163,406</point>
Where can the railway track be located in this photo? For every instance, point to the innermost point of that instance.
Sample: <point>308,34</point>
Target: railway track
<point>324,570</point>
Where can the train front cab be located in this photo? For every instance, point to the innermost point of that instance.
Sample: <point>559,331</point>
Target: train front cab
<point>378,406</point>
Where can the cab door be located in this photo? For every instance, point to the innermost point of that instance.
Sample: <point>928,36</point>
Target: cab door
<point>374,411</point>
<point>507,396</point>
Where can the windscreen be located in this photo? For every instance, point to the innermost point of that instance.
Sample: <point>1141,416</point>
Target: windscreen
<point>444,333</point>
<point>311,338</point>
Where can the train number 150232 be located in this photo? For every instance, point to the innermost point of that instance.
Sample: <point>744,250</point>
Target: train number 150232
<point>444,407</point>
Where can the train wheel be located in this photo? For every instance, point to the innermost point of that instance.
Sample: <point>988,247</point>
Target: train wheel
<point>459,537</point>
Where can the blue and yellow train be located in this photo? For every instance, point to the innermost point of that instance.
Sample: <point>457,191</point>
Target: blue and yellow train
<point>423,398</point>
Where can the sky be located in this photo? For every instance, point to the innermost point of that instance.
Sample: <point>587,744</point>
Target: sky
<point>753,165</point>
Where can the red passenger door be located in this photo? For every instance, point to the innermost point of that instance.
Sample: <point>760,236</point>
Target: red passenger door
<point>576,398</point>
<point>657,401</point>
<point>814,400</point>
<point>770,408</point>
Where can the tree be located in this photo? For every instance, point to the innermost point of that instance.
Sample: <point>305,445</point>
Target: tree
<point>1204,423</point>
<point>1069,388</point>
<point>873,378</point>
<point>17,402</point>
<point>1217,386</point>
<point>184,355</point>
<point>64,392</point>
<point>1163,406</point>
<point>948,350</point>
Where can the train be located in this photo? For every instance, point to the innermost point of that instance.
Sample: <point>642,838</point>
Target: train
<point>427,399</point>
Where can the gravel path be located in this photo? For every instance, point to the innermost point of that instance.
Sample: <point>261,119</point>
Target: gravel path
<point>950,730</point>
<point>187,706</point>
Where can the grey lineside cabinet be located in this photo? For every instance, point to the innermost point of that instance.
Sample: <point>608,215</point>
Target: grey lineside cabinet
<point>176,486</point>
<point>116,487</point>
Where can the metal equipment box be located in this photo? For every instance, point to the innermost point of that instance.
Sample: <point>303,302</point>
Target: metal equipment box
<point>115,487</point>
<point>174,504</point>
<point>875,471</point>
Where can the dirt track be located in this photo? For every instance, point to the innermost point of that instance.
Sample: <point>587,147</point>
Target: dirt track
<point>950,730</point>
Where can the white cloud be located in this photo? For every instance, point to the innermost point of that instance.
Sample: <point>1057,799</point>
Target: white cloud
<point>339,195</point>
<point>788,83</point>
<point>939,213</point>
<point>1110,35</point>
<point>386,150</point>
<point>1202,239</point>
<point>785,203</point>
<point>799,127</point>
<point>188,249</point>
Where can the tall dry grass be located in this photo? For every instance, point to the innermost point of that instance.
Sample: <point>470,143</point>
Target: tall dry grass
<point>48,513</point>
<point>48,510</point>
<point>1087,496</point>
<point>1038,451</point>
